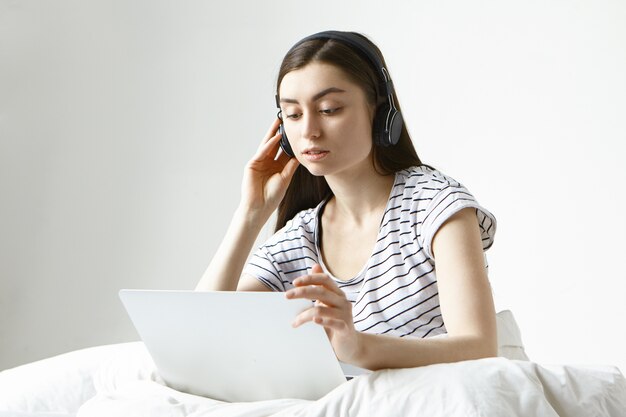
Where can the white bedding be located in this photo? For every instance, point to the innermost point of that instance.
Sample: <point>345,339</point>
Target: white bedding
<point>488,387</point>
<point>121,380</point>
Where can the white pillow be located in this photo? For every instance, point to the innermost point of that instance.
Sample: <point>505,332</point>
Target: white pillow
<point>510,344</point>
<point>61,384</point>
<point>133,363</point>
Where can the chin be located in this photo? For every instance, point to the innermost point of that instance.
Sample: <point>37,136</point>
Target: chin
<point>316,171</point>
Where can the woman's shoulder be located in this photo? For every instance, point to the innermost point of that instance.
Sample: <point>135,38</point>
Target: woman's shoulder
<point>301,227</point>
<point>303,220</point>
<point>424,178</point>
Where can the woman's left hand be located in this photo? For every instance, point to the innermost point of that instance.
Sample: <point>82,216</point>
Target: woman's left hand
<point>332,310</point>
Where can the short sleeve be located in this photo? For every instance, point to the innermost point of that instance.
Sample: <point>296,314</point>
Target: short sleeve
<point>264,267</point>
<point>448,201</point>
<point>288,254</point>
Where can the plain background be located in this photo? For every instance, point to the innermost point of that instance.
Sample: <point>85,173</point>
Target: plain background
<point>125,126</point>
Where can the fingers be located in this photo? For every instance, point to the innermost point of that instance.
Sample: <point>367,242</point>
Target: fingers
<point>281,156</point>
<point>271,136</point>
<point>325,316</point>
<point>272,130</point>
<point>319,293</point>
<point>284,165</point>
<point>318,279</point>
<point>290,169</point>
<point>332,309</point>
<point>268,147</point>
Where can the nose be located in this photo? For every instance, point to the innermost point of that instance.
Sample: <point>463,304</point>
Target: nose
<point>310,125</point>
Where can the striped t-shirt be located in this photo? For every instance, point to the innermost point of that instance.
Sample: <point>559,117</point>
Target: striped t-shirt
<point>396,291</point>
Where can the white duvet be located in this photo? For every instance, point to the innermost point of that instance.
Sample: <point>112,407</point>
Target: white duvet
<point>121,380</point>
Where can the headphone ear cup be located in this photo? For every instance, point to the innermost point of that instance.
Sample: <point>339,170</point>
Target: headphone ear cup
<point>395,130</point>
<point>387,134</point>
<point>284,142</point>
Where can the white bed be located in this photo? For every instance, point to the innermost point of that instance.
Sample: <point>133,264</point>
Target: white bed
<point>121,380</point>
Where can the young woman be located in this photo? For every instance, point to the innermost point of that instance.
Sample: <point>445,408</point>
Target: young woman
<point>390,249</point>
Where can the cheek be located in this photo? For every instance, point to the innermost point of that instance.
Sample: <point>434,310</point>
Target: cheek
<point>362,133</point>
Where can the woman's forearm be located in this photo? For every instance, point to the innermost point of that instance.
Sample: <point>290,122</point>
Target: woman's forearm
<point>382,351</point>
<point>225,269</point>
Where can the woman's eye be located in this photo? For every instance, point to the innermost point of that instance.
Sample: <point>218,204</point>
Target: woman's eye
<point>323,111</point>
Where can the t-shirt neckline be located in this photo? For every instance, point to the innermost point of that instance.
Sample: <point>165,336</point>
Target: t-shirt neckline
<point>318,228</point>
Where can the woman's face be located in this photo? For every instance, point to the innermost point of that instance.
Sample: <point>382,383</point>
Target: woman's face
<point>327,120</point>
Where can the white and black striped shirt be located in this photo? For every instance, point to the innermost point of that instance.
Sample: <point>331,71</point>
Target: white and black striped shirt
<point>396,292</point>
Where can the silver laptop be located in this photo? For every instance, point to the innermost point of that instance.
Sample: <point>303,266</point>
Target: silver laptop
<point>234,346</point>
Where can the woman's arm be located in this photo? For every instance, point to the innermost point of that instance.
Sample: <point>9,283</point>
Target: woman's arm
<point>224,271</point>
<point>466,305</point>
<point>264,184</point>
<point>464,295</point>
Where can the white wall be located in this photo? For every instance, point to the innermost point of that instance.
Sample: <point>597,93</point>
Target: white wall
<point>124,127</point>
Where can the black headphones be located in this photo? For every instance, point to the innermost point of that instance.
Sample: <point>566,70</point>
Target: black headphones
<point>388,121</point>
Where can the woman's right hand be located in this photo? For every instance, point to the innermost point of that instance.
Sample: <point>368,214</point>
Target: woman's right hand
<point>265,180</point>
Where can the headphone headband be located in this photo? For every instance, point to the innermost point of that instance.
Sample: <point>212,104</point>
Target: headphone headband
<point>360,44</point>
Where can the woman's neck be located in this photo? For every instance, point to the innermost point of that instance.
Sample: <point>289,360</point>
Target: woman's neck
<point>359,195</point>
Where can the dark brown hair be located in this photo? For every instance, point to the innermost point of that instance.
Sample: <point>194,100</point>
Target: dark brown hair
<point>306,190</point>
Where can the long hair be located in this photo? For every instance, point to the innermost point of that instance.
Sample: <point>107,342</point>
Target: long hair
<point>306,190</point>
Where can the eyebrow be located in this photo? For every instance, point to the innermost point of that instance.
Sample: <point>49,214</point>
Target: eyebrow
<point>316,96</point>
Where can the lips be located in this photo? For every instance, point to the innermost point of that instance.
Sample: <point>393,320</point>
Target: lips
<point>314,154</point>
<point>314,149</point>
